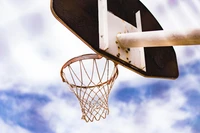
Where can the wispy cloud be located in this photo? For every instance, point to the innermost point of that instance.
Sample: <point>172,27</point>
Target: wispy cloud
<point>21,109</point>
<point>10,128</point>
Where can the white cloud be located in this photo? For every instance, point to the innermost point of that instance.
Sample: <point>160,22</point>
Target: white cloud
<point>186,54</point>
<point>36,59</point>
<point>179,16</point>
<point>155,115</point>
<point>11,128</point>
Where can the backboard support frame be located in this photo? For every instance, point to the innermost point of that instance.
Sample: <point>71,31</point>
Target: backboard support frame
<point>109,26</point>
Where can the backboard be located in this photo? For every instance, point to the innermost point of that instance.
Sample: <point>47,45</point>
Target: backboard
<point>97,22</point>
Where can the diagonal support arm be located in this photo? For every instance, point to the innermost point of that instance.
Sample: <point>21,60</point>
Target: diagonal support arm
<point>159,38</point>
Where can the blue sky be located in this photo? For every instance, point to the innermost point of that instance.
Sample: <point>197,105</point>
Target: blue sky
<point>33,99</point>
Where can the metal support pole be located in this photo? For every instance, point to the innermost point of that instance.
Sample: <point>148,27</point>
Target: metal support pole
<point>159,38</point>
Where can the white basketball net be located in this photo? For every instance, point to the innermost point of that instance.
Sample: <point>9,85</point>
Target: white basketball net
<point>91,78</point>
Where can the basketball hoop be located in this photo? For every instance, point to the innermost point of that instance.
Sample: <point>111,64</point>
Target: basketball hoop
<point>91,85</point>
